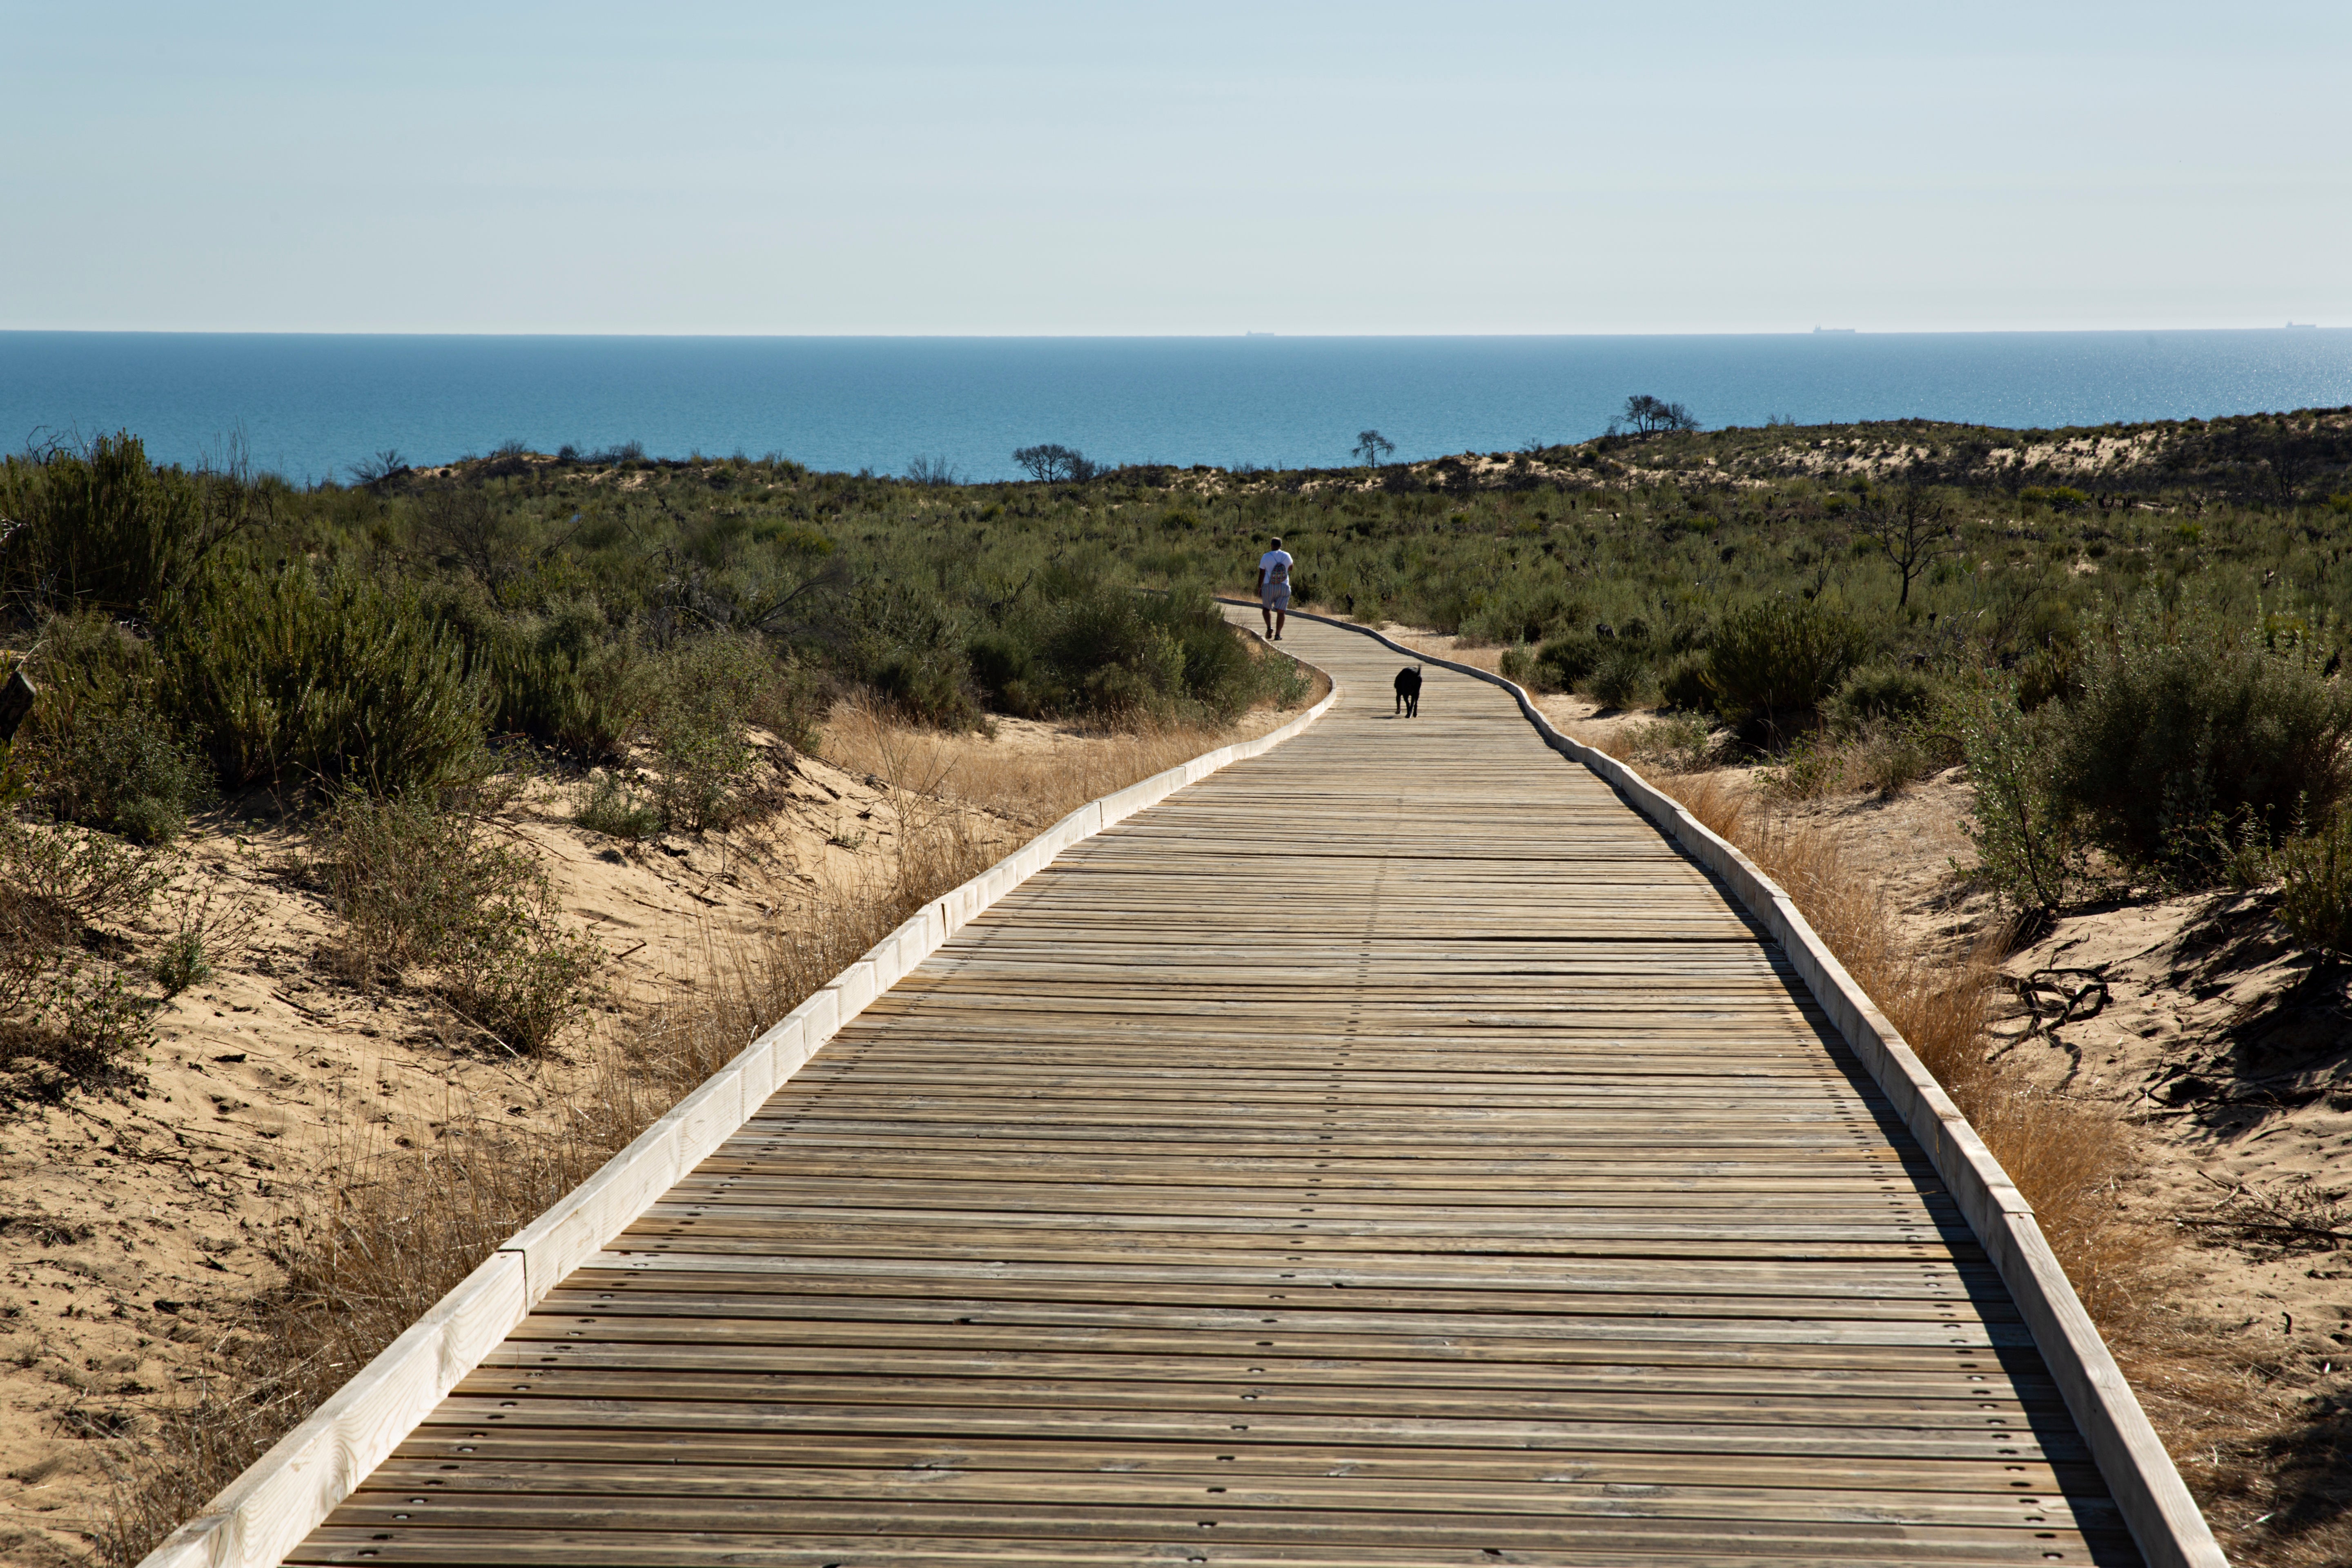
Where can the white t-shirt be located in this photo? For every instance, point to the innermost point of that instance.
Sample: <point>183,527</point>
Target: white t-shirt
<point>1274,567</point>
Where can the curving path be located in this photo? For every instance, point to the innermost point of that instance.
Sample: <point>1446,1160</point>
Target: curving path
<point>1387,1151</point>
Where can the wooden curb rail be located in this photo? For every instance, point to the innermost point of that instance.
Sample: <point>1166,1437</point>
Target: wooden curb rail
<point>2162,1516</point>
<point>286,1493</point>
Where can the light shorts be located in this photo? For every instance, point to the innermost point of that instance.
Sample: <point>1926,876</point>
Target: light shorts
<point>1278,598</point>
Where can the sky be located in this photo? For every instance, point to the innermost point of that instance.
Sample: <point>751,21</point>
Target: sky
<point>1195,168</point>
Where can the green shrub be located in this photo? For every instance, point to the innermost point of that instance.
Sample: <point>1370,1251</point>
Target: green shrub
<point>104,526</point>
<point>2049,674</point>
<point>2057,497</point>
<point>1883,694</point>
<point>1807,770</point>
<point>2190,733</point>
<point>95,750</point>
<point>67,1019</point>
<point>2316,901</point>
<point>2027,835</point>
<point>570,682</point>
<point>1783,655</point>
<point>1110,651</point>
<point>517,978</point>
<point>705,763</point>
<point>929,686</point>
<point>297,682</point>
<point>405,878</point>
<point>1005,666</point>
<point>1565,663</point>
<point>126,773</point>
<point>1684,685</point>
<point>613,806</point>
<point>87,1029</point>
<point>1885,758</point>
<point>910,653</point>
<point>60,882</point>
<point>1620,679</point>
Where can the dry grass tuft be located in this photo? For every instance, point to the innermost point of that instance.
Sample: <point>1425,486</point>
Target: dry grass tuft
<point>1032,785</point>
<point>2066,1156</point>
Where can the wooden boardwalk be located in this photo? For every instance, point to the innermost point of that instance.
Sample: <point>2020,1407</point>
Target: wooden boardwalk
<point>1389,1150</point>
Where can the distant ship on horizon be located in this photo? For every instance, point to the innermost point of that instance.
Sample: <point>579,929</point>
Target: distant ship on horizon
<point>2303,326</point>
<point>1819,331</point>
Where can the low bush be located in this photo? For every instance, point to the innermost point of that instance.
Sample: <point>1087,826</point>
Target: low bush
<point>1620,679</point>
<point>2315,897</point>
<point>570,682</point>
<point>103,527</point>
<point>1683,684</point>
<point>2192,732</point>
<point>1807,770</point>
<point>1886,759</point>
<point>1106,651</point>
<point>297,682</point>
<point>613,806</point>
<point>2027,833</point>
<point>928,684</point>
<point>516,977</point>
<point>1783,655</point>
<point>85,1029</point>
<point>1883,693</point>
<point>705,765</point>
<point>68,1018</point>
<point>125,772</point>
<point>418,882</point>
<point>1682,745</point>
<point>1565,663</point>
<point>205,926</point>
<point>95,750</point>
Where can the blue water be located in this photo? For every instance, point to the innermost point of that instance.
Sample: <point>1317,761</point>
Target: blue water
<point>310,406</point>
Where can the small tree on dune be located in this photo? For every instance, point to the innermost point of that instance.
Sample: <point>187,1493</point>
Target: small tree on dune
<point>1648,416</point>
<point>1912,528</point>
<point>1052,460</point>
<point>1372,447</point>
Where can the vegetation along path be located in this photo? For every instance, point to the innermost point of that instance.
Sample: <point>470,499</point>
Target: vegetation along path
<point>1388,1151</point>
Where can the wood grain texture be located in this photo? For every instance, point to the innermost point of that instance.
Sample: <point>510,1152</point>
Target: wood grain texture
<point>1388,1151</point>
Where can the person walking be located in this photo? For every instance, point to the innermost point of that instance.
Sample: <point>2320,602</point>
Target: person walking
<point>1273,589</point>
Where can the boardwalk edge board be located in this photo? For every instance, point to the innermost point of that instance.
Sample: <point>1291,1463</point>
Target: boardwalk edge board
<point>289,1491</point>
<point>2162,1516</point>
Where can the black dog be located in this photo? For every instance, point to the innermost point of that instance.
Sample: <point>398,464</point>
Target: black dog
<point>1408,691</point>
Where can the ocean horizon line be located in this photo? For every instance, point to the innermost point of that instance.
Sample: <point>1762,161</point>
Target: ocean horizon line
<point>1821,330</point>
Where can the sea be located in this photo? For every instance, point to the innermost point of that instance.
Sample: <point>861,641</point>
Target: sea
<point>315,407</point>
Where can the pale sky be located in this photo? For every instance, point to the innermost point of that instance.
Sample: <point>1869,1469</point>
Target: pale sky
<point>1192,168</point>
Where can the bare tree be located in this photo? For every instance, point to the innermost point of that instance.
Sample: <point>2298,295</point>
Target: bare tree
<point>385,465</point>
<point>1648,416</point>
<point>1052,461</point>
<point>932,472</point>
<point>1912,528</point>
<point>1372,447</point>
